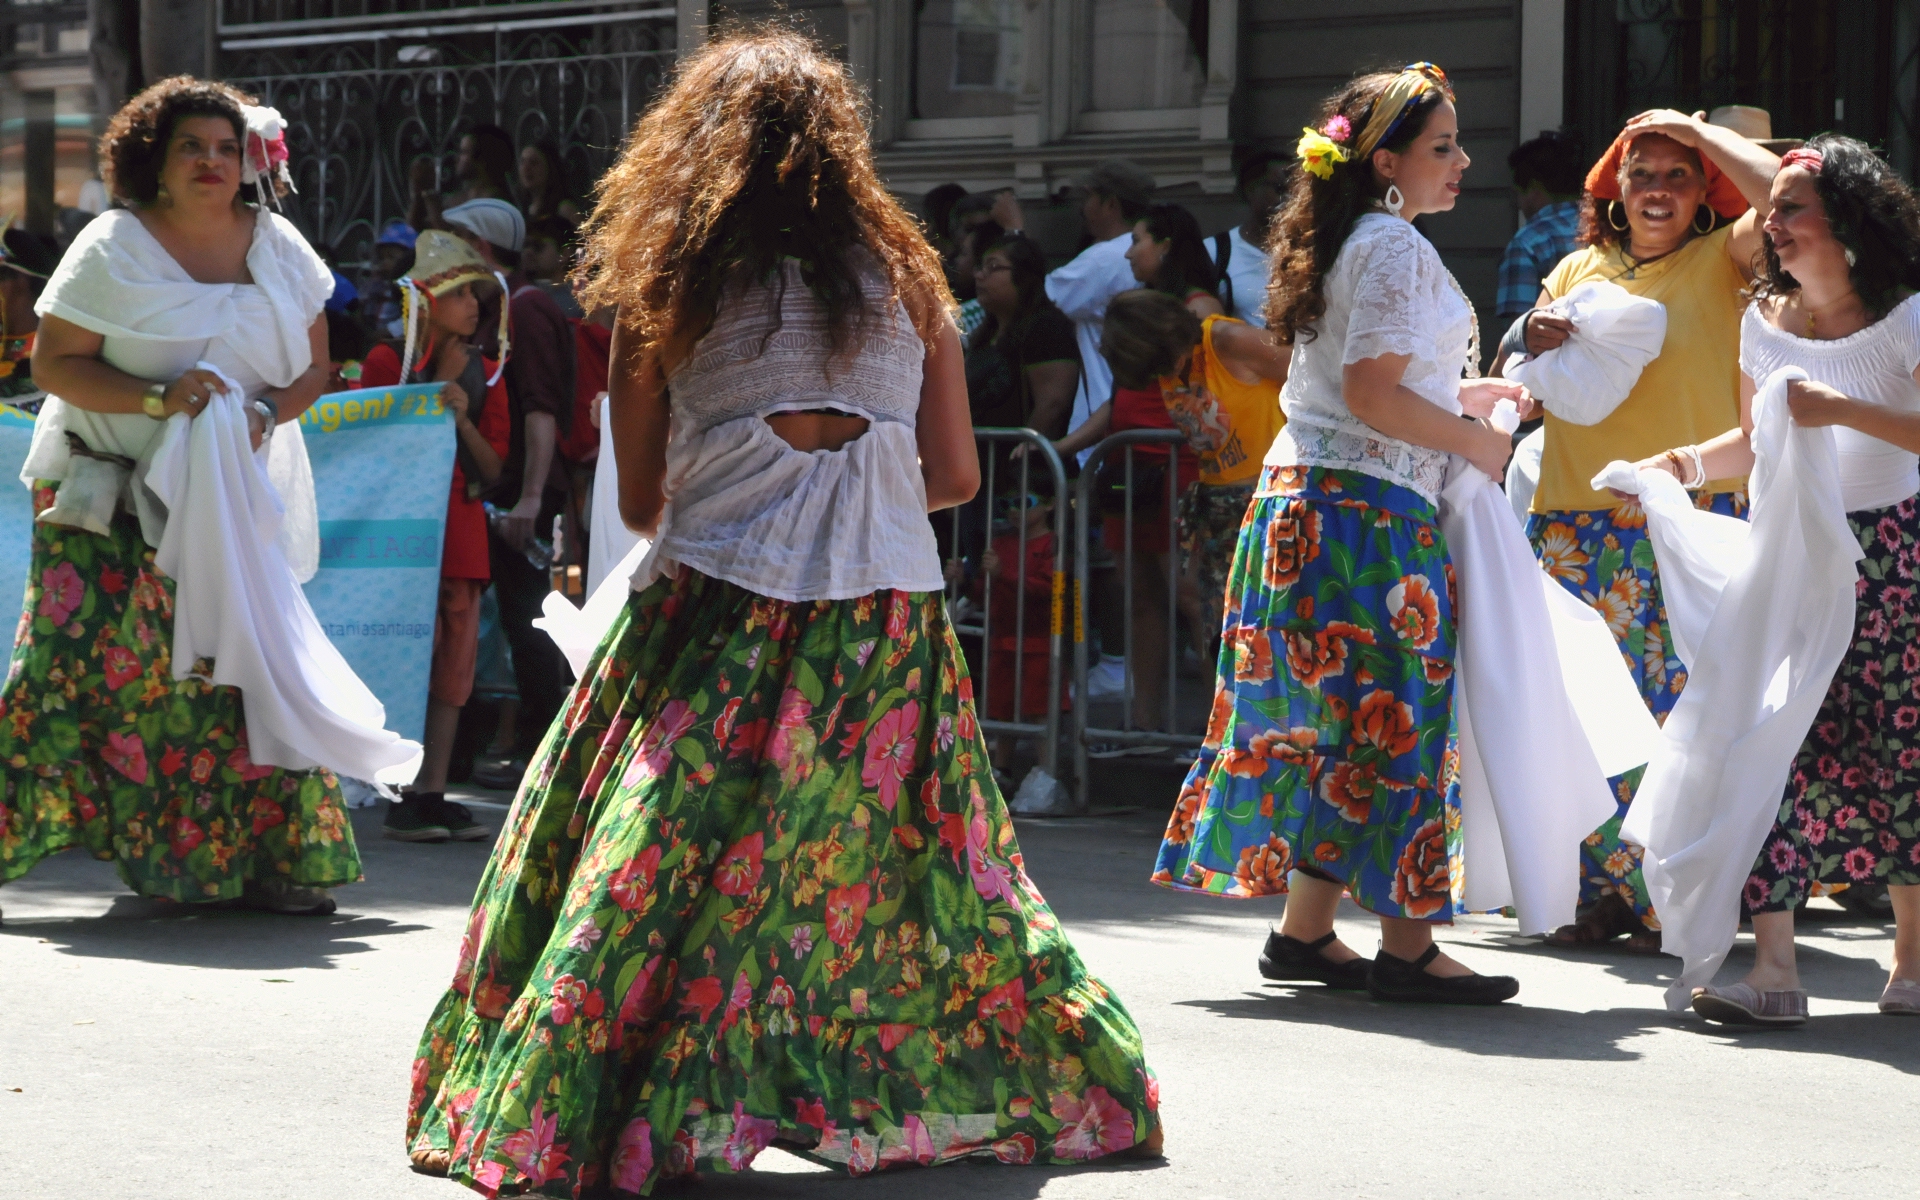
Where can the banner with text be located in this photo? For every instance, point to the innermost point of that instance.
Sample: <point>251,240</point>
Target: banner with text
<point>382,463</point>
<point>16,512</point>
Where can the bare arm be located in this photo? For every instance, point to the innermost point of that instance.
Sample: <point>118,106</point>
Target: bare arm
<point>943,430</point>
<point>639,417</point>
<point>1091,430</point>
<point>1251,354</point>
<point>1374,393</point>
<point>1203,306</point>
<point>298,396</point>
<point>67,363</point>
<point>1052,385</point>
<point>452,362</point>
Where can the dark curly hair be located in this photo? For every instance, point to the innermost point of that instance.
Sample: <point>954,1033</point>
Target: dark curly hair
<point>1872,212</point>
<point>1029,264</point>
<point>135,143</point>
<point>1315,220</point>
<point>1596,225</point>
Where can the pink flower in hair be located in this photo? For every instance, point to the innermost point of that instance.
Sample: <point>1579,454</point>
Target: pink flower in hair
<point>1337,128</point>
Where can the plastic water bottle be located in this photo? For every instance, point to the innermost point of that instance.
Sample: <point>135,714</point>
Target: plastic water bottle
<point>538,552</point>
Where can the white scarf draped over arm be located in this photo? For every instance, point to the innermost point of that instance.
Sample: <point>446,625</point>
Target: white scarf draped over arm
<point>1546,707</point>
<point>1615,335</point>
<point>1766,616</point>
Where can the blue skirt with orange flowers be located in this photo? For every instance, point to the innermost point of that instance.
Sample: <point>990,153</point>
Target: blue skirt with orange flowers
<point>1328,747</point>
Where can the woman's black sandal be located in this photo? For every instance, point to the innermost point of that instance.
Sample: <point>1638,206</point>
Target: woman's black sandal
<point>1290,960</point>
<point>1402,982</point>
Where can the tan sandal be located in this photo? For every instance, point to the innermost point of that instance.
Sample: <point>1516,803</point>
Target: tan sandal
<point>1742,1004</point>
<point>431,1161</point>
<point>1902,998</point>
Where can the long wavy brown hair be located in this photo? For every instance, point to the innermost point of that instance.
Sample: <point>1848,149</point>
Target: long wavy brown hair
<point>756,153</point>
<point>1318,214</point>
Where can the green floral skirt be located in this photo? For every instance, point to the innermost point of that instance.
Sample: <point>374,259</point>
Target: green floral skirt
<point>101,747</point>
<point>759,885</point>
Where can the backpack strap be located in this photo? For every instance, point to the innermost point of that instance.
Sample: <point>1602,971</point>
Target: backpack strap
<point>1222,254</point>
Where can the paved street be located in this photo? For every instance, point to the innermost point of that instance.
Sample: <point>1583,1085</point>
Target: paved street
<point>237,1055</point>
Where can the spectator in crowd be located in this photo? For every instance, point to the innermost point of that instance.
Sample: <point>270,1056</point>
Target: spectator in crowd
<point>936,209</point>
<point>966,262</point>
<point>392,258</point>
<point>483,169</point>
<point>539,374</point>
<point>1113,196</point>
<point>1016,581</point>
<point>1220,381</point>
<point>1168,255</point>
<point>346,334</point>
<point>968,213</point>
<point>26,260</point>
<point>543,184</point>
<point>546,261</point>
<point>1549,175</point>
<point>445,312</point>
<point>1240,253</point>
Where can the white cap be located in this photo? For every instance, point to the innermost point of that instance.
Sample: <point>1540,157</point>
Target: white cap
<point>496,221</point>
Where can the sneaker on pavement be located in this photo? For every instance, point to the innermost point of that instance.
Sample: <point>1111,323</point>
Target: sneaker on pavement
<point>501,776</point>
<point>458,820</point>
<point>411,820</point>
<point>1107,679</point>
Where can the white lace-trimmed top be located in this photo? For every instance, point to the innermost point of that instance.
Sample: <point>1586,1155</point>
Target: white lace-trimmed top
<point>1876,365</point>
<point>743,505</point>
<point>1387,293</point>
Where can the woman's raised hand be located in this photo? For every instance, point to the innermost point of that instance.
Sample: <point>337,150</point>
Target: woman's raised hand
<point>1669,122</point>
<point>1545,331</point>
<point>191,392</point>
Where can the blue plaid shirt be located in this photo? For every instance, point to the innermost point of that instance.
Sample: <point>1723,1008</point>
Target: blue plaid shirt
<point>1533,254</point>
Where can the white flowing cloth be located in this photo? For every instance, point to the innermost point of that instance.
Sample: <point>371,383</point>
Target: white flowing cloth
<point>1540,732</point>
<point>1615,335</point>
<point>613,559</point>
<point>609,539</point>
<point>238,603</point>
<point>1777,595</point>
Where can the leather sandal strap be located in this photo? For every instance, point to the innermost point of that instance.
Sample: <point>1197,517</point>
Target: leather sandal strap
<point>1433,952</point>
<point>1322,943</point>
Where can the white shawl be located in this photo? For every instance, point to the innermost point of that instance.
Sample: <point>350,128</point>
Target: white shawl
<point>1777,596</point>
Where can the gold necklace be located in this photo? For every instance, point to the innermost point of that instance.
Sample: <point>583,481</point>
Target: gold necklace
<point>1815,309</point>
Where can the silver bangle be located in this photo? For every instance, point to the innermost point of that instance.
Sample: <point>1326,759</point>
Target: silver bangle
<point>1699,479</point>
<point>269,414</point>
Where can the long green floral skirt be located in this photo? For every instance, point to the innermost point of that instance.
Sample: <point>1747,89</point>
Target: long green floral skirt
<point>101,747</point>
<point>759,886</point>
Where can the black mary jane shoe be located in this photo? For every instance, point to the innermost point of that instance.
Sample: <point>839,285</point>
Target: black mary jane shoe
<point>1401,982</point>
<point>1290,960</point>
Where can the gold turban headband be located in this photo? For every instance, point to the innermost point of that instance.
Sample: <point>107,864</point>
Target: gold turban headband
<point>1408,88</point>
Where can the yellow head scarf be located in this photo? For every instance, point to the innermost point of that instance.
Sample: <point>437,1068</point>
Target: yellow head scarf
<point>1413,83</point>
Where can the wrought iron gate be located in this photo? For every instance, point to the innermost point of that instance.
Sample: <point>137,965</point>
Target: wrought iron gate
<point>367,94</point>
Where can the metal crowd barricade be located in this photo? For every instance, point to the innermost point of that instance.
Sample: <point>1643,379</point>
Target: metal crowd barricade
<point>985,629</point>
<point>1087,506</point>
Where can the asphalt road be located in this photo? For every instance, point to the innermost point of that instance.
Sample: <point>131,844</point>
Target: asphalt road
<point>239,1055</point>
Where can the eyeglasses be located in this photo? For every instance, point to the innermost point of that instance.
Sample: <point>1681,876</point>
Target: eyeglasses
<point>990,268</point>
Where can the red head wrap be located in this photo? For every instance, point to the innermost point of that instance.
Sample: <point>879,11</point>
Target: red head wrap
<point>1603,181</point>
<point>1800,156</point>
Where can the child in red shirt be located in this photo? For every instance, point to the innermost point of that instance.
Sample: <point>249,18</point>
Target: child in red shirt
<point>1014,582</point>
<point>446,313</point>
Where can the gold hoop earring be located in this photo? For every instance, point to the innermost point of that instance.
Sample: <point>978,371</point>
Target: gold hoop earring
<point>1696,219</point>
<point>1620,225</point>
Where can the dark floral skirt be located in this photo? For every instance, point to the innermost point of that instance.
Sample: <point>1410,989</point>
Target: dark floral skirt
<point>1329,742</point>
<point>1605,557</point>
<point>1850,814</point>
<point>759,885</point>
<point>100,747</point>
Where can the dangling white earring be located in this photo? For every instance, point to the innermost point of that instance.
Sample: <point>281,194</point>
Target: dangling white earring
<point>1394,200</point>
<point>1850,257</point>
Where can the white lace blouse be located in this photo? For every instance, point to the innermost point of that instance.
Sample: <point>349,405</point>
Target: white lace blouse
<point>744,506</point>
<point>1875,365</point>
<point>1387,293</point>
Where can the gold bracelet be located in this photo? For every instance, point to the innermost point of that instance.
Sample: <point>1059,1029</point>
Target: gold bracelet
<point>154,401</point>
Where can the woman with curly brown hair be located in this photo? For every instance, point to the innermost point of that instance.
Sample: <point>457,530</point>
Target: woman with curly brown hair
<point>1326,754</point>
<point>1836,298</point>
<point>760,885</point>
<point>109,743</point>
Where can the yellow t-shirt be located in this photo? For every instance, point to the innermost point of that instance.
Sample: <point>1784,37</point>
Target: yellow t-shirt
<point>1228,423</point>
<point>1689,393</point>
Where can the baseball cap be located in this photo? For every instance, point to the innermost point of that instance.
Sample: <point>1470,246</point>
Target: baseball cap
<point>495,221</point>
<point>396,233</point>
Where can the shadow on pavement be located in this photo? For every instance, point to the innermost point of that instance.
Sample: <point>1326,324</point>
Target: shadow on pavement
<point>956,1181</point>
<point>218,938</point>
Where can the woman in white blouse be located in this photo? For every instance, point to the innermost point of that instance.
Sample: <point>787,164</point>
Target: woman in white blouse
<point>1837,299</point>
<point>1327,755</point>
<point>102,746</point>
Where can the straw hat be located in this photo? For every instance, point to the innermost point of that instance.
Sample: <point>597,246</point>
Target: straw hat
<point>443,261</point>
<point>1754,124</point>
